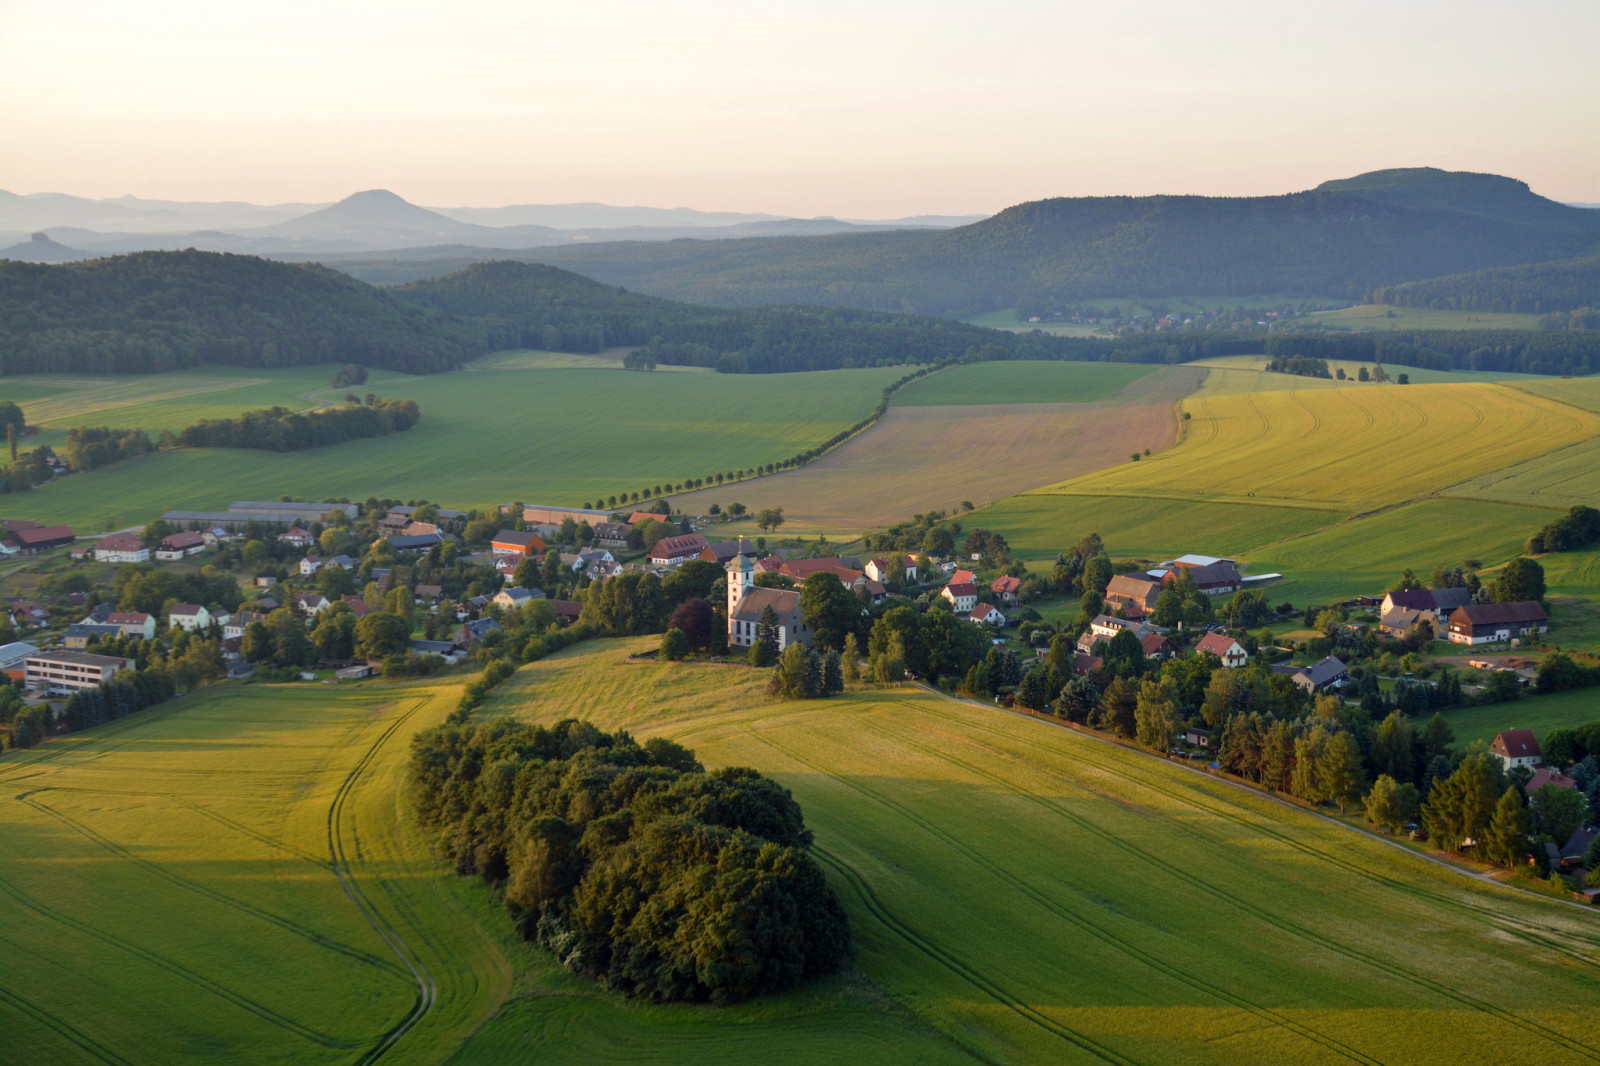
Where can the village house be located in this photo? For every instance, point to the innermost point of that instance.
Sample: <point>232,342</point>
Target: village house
<point>1106,626</point>
<point>724,550</point>
<point>1487,623</point>
<point>1224,647</point>
<point>470,633</point>
<point>517,542</point>
<point>189,616</point>
<point>442,648</point>
<point>310,565</point>
<point>671,551</point>
<point>1439,603</point>
<point>357,605</point>
<point>612,534</point>
<point>297,537</point>
<point>313,603</point>
<point>747,602</point>
<point>1516,747</point>
<point>1321,675</point>
<point>61,673</point>
<point>79,634</point>
<point>506,567</point>
<point>591,555</point>
<point>28,614</point>
<point>878,569</point>
<point>235,626</point>
<point>513,598</point>
<point>132,623</point>
<point>987,614</point>
<point>1197,738</point>
<point>179,545</point>
<point>961,595</point>
<point>1136,594</point>
<point>1006,588</point>
<point>121,548</point>
<point>1398,621</point>
<point>36,539</point>
<point>420,543</point>
<point>1158,646</point>
<point>567,611</point>
<point>1212,578</point>
<point>1545,776</point>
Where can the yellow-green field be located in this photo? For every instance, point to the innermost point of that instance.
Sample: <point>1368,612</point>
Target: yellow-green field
<point>1037,895</point>
<point>1226,379</point>
<point>1349,449</point>
<point>1382,316</point>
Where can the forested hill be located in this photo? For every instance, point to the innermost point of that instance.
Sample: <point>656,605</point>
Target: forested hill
<point>156,311</point>
<point>1344,238</point>
<point>1533,288</point>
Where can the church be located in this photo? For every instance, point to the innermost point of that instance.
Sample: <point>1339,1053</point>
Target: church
<point>746,602</point>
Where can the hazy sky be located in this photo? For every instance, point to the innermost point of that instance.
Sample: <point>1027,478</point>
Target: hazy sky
<point>863,108</point>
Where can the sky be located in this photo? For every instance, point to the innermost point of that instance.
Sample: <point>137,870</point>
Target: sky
<point>861,109</point>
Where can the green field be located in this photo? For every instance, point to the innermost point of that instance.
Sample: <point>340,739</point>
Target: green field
<point>1009,320</point>
<point>1382,316</point>
<point>490,436</point>
<point>225,877</point>
<point>1272,381</point>
<point>1037,895</point>
<point>1021,382</point>
<point>1538,713</point>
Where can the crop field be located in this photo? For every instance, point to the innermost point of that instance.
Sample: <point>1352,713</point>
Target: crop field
<point>1226,378</point>
<point>1562,478</point>
<point>1382,316</point>
<point>1352,448</point>
<point>1019,381</point>
<point>226,877</point>
<point>1033,894</point>
<point>1585,392</point>
<point>923,458</point>
<point>488,437</point>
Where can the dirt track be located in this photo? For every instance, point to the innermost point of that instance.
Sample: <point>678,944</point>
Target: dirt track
<point>923,458</point>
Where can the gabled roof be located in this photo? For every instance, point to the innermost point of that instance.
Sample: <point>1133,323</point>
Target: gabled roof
<point>127,618</point>
<point>639,518</point>
<point>1323,671</point>
<point>1545,776</point>
<point>724,550</point>
<point>1220,573</point>
<point>120,542</point>
<point>1485,614</point>
<point>186,609</point>
<point>1577,844</point>
<point>1516,744</point>
<point>687,544</point>
<point>1218,644</point>
<point>782,601</point>
<point>1134,586</point>
<point>961,588</point>
<point>180,541</point>
<point>1155,642</point>
<point>41,535</point>
<point>517,538</point>
<point>1006,583</point>
<point>963,575</point>
<point>982,612</point>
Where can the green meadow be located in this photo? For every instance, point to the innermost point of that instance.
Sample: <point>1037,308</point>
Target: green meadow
<point>1563,710</point>
<point>561,435</point>
<point>1012,382</point>
<point>1382,316</point>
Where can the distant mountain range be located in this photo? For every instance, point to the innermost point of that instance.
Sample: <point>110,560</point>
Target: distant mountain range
<point>376,220</point>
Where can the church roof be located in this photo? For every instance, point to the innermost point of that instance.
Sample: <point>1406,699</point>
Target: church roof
<point>784,602</point>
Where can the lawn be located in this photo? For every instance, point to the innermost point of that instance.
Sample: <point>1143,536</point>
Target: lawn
<point>1538,713</point>
<point>1021,381</point>
<point>173,891</point>
<point>487,437</point>
<point>1354,448</point>
<point>1382,316</point>
<point>1036,895</point>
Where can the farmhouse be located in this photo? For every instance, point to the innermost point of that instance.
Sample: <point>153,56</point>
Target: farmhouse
<point>1130,591</point>
<point>1106,626</point>
<point>747,603</point>
<point>1006,588</point>
<point>878,569</point>
<point>961,595</point>
<point>1158,646</point>
<point>472,632</point>
<point>41,539</point>
<point>310,565</point>
<point>1320,676</point>
<point>517,542</point>
<point>313,603</point>
<point>1437,602</point>
<point>1485,623</point>
<point>1398,621</point>
<point>357,605</point>
<point>189,616</point>
<point>121,548</point>
<point>1212,578</point>
<point>61,673</point>
<point>1516,747</point>
<point>612,534</point>
<point>987,614</point>
<point>298,537</point>
<point>1224,647</point>
<point>180,544</point>
<point>724,550</point>
<point>517,597</point>
<point>671,551</point>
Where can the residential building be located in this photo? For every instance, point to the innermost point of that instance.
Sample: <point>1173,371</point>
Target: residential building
<point>132,623</point>
<point>1197,738</point>
<point>297,537</point>
<point>1398,621</point>
<point>1545,776</point>
<point>29,614</point>
<point>79,634</point>
<point>121,548</point>
<point>987,614</point>
<point>442,648</point>
<point>567,611</point>
<point>612,534</point>
<point>1006,588</point>
<point>517,542</point>
<point>747,602</point>
<point>179,545</point>
<point>310,565</point>
<point>343,562</point>
<point>517,597</point>
<point>672,551</point>
<point>1158,646</point>
<point>420,543</point>
<point>313,603</point>
<point>1321,675</point>
<point>1440,603</point>
<point>357,605</point>
<point>1224,647</point>
<point>472,632</point>
<point>724,550</point>
<point>593,555</point>
<point>1106,626</point>
<point>1213,578</point>
<point>961,595</point>
<point>189,616</point>
<point>1516,747</point>
<point>61,673</point>
<point>1487,623</point>
<point>235,626</point>
<point>1133,591</point>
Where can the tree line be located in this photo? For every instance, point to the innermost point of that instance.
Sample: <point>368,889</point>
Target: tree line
<point>277,429</point>
<point>1534,288</point>
<point>630,862</point>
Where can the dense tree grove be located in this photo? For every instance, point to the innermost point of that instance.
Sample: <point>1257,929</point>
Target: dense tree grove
<point>630,862</point>
<point>278,429</point>
<point>1578,528</point>
<point>1535,288</point>
<point>1299,364</point>
<point>90,449</point>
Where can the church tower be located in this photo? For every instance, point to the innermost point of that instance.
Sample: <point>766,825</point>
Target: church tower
<point>741,578</point>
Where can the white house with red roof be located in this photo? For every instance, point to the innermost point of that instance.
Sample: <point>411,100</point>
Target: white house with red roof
<point>313,603</point>
<point>962,596</point>
<point>671,551</point>
<point>1516,747</point>
<point>133,623</point>
<point>987,614</point>
<point>1006,588</point>
<point>300,538</point>
<point>1224,647</point>
<point>190,616</point>
<point>180,544</point>
<point>121,548</point>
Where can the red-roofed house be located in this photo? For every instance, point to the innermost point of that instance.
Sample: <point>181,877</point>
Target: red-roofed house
<point>517,542</point>
<point>639,518</point>
<point>133,623</point>
<point>963,596</point>
<point>1224,647</point>
<point>987,614</point>
<point>180,544</point>
<point>300,538</point>
<point>121,548</point>
<point>1545,776</point>
<point>1516,747</point>
<point>963,576</point>
<point>1484,623</point>
<point>670,551</point>
<point>1158,646</point>
<point>1006,588</point>
<point>43,538</point>
<point>357,605</point>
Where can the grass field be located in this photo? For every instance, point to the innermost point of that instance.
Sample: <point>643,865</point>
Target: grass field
<point>1382,316</point>
<point>1008,320</point>
<point>923,458</point>
<point>225,877</point>
<point>1021,382</point>
<point>1349,448</point>
<point>1538,713</point>
<point>487,437</point>
<point>1036,895</point>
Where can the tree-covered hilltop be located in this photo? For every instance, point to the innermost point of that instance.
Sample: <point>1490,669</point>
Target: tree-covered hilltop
<point>1533,288</point>
<point>1344,238</point>
<point>158,311</point>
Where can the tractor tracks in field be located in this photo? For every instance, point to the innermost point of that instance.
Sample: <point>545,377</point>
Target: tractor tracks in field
<point>342,842</point>
<point>1078,921</point>
<point>62,1028</point>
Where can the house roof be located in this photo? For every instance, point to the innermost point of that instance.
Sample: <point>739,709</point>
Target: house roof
<point>782,601</point>
<point>567,608</point>
<point>1403,617</point>
<point>86,629</point>
<point>479,626</point>
<point>1006,583</point>
<point>961,588</point>
<point>17,525</point>
<point>1577,844</point>
<point>1483,614</point>
<point>41,535</point>
<point>1134,587</point>
<point>180,541</point>
<point>310,599</point>
<point>1218,573</point>
<point>982,612</point>
<point>186,608</point>
<point>687,544</point>
<point>357,605</point>
<point>297,532</point>
<point>612,530</point>
<point>1218,644</point>
<point>421,540</point>
<point>1155,642</point>
<point>724,550</point>
<point>963,575</point>
<point>1450,599</point>
<point>127,618</point>
<point>1516,744</point>
<point>119,542</point>
<point>1323,671</point>
<point>639,518</point>
<point>1199,560</point>
<point>517,538</point>
<point>1545,776</point>
<point>432,647</point>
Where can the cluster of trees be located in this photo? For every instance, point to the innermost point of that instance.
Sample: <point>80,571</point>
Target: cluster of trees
<point>1535,288</point>
<point>1479,804</point>
<point>90,449</point>
<point>1299,364</point>
<point>278,429</point>
<point>807,674</point>
<point>630,862</point>
<point>1578,528</point>
<point>350,374</point>
<point>632,603</point>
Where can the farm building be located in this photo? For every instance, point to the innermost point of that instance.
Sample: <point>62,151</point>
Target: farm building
<point>179,545</point>
<point>121,548</point>
<point>747,602</point>
<point>41,539</point>
<point>517,597</point>
<point>1516,747</point>
<point>671,551</point>
<point>538,514</point>
<point>1132,590</point>
<point>1220,576</point>
<point>1545,776</point>
<point>1224,647</point>
<point>517,542</point>
<point>298,537</point>
<point>62,673</point>
<point>1486,623</point>
<point>1437,602</point>
<point>420,543</point>
<point>724,550</point>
